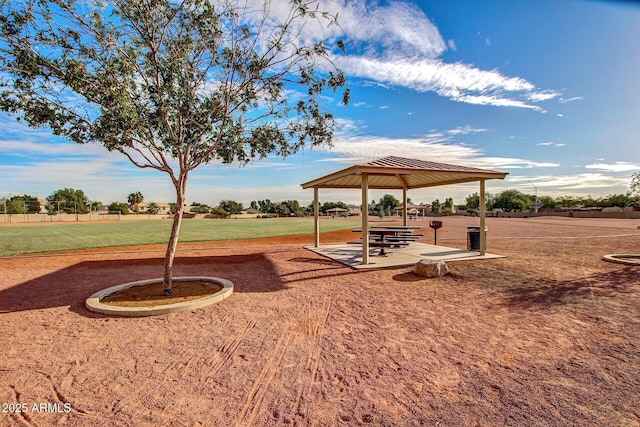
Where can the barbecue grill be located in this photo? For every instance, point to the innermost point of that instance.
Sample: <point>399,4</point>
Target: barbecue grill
<point>435,225</point>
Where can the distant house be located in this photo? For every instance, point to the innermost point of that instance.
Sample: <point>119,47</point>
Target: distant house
<point>354,210</point>
<point>143,207</point>
<point>43,205</point>
<point>413,210</point>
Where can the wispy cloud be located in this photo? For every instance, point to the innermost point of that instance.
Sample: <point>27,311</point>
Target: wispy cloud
<point>614,167</point>
<point>438,146</point>
<point>562,184</point>
<point>550,144</point>
<point>395,43</point>
<point>460,82</point>
<point>575,98</point>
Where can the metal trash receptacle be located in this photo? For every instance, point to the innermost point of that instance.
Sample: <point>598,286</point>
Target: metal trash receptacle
<point>473,238</point>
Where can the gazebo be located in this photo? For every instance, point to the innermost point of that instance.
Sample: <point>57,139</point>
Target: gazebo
<point>336,211</point>
<point>398,173</point>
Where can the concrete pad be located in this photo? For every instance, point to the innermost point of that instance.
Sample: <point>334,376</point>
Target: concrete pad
<point>351,255</point>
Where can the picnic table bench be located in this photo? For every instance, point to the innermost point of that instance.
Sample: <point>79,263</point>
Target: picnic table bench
<point>389,236</point>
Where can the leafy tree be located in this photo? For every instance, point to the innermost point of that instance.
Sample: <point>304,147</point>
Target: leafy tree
<point>589,201</point>
<point>153,208</point>
<point>22,204</point>
<point>134,199</point>
<point>634,187</point>
<point>199,208</point>
<point>330,205</point>
<point>388,202</point>
<point>567,201</point>
<point>619,200</point>
<point>435,206</point>
<point>231,206</point>
<point>284,208</point>
<point>265,206</point>
<point>69,201</point>
<point>512,200</point>
<point>254,205</point>
<point>218,211</point>
<point>119,207</point>
<point>447,208</point>
<point>294,207</point>
<point>473,203</point>
<point>289,208</point>
<point>547,202</point>
<point>16,205</point>
<point>171,85</point>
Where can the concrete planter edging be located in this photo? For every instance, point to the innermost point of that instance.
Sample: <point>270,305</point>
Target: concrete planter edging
<point>93,302</point>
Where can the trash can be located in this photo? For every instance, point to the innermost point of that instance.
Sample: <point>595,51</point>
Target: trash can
<point>473,238</point>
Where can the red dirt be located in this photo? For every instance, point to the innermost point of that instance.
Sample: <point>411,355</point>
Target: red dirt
<point>549,335</point>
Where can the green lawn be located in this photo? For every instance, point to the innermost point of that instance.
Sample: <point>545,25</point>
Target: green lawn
<point>25,239</point>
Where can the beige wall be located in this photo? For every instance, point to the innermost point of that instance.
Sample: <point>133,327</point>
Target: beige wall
<point>39,218</point>
<point>575,214</point>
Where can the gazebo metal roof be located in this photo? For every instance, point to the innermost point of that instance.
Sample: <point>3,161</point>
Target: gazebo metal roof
<point>399,173</point>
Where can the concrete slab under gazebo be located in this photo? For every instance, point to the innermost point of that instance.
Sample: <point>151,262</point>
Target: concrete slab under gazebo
<point>398,173</point>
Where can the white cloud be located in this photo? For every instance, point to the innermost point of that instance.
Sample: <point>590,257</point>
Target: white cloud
<point>575,98</point>
<point>436,146</point>
<point>465,130</point>
<point>542,96</point>
<point>614,167</point>
<point>395,43</point>
<point>562,184</point>
<point>460,82</point>
<point>550,144</point>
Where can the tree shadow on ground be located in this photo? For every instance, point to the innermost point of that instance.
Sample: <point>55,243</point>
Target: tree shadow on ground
<point>72,285</point>
<point>536,294</point>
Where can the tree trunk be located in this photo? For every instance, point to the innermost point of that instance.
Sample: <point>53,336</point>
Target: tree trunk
<point>173,238</point>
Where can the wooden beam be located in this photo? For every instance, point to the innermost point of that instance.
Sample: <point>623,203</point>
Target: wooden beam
<point>316,218</point>
<point>483,233</point>
<point>404,198</point>
<point>365,218</point>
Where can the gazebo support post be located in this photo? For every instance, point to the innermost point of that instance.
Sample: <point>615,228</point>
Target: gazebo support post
<point>404,198</point>
<point>316,217</point>
<point>365,218</point>
<point>404,206</point>
<point>483,233</point>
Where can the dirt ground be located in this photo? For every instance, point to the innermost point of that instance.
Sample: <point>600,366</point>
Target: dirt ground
<point>549,335</point>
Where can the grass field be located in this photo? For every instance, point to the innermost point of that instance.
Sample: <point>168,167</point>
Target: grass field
<point>24,239</point>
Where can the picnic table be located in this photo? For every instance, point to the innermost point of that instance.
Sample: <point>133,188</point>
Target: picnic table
<point>389,236</point>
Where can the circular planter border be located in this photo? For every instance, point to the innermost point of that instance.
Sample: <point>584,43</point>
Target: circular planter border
<point>93,302</point>
<point>620,258</point>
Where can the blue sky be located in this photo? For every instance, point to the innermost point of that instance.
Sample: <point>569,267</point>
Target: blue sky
<point>545,90</point>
